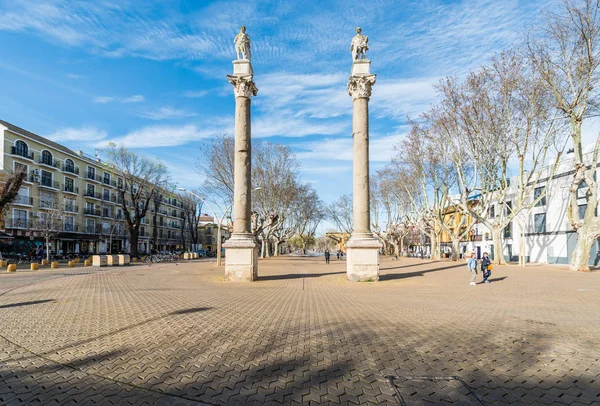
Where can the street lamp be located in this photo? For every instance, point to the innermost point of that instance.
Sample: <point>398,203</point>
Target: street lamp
<point>219,220</point>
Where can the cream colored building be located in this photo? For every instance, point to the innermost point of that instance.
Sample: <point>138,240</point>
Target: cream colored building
<point>88,189</point>
<point>207,232</point>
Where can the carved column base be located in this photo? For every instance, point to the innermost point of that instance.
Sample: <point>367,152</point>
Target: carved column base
<point>362,263</point>
<point>241,258</point>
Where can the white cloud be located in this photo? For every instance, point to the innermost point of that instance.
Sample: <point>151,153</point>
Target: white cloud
<point>83,134</point>
<point>74,76</point>
<point>164,136</point>
<point>166,112</point>
<point>136,98</point>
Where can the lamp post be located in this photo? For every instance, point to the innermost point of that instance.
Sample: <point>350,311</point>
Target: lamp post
<point>219,220</point>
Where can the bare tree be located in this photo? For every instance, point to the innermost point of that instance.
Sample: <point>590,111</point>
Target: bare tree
<point>567,56</point>
<point>313,213</point>
<point>10,186</point>
<point>340,212</point>
<point>50,220</point>
<point>141,176</point>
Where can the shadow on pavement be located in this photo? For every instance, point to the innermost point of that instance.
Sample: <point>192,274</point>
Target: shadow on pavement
<point>192,310</point>
<point>408,266</point>
<point>393,276</point>
<point>500,279</point>
<point>296,276</point>
<point>34,302</point>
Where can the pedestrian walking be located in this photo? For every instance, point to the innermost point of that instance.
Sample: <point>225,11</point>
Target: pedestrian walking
<point>338,254</point>
<point>472,265</point>
<point>327,255</point>
<point>486,267</point>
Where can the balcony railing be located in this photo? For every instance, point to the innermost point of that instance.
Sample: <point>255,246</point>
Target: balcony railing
<point>93,176</point>
<point>49,161</point>
<point>21,152</point>
<point>95,195</point>
<point>70,189</point>
<point>18,223</point>
<point>106,197</point>
<point>49,183</point>
<point>23,200</point>
<point>71,208</point>
<point>70,169</point>
<point>91,212</point>
<point>47,204</point>
<point>106,213</point>
<point>71,228</point>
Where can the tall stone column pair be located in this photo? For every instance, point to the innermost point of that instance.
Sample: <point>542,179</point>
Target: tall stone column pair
<point>363,248</point>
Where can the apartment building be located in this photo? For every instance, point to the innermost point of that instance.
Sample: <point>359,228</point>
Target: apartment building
<point>86,190</point>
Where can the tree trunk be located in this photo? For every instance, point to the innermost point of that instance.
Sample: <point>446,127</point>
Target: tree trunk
<point>498,251</point>
<point>134,236</point>
<point>581,255</point>
<point>154,231</point>
<point>455,248</point>
<point>401,246</point>
<point>48,249</point>
<point>263,248</point>
<point>277,243</point>
<point>522,244</point>
<point>435,252</point>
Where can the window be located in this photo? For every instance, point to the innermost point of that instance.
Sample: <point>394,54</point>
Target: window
<point>20,218</point>
<point>21,148</point>
<point>119,214</point>
<point>120,183</point>
<point>507,208</point>
<point>69,205</point>
<point>90,226</point>
<point>106,195</point>
<point>20,167</point>
<point>46,199</point>
<point>582,189</point>
<point>582,210</point>
<point>69,166</point>
<point>539,223</point>
<point>69,223</point>
<point>69,185</point>
<point>508,230</point>
<point>90,190</point>
<point>107,178</point>
<point>46,178</point>
<point>91,173</point>
<point>46,158</point>
<point>492,211</point>
<point>537,192</point>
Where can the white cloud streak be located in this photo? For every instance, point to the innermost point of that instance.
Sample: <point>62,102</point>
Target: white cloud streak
<point>115,99</point>
<point>165,113</point>
<point>83,135</point>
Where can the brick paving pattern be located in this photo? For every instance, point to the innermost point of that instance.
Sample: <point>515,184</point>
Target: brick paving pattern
<point>171,334</point>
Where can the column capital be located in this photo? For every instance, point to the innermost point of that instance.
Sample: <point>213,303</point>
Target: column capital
<point>243,86</point>
<point>359,87</point>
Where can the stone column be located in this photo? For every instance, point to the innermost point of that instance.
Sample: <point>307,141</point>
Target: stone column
<point>241,261</point>
<point>362,263</point>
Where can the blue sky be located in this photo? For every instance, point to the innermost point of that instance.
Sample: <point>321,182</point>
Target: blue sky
<point>151,74</point>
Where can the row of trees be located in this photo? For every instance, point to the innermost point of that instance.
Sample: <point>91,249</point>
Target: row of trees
<point>282,205</point>
<point>495,140</point>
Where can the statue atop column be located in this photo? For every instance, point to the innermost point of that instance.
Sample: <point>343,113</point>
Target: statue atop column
<point>242,44</point>
<point>359,45</point>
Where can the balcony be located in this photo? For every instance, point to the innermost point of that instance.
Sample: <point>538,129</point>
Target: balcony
<point>23,200</point>
<point>91,212</point>
<point>21,152</point>
<point>71,208</point>
<point>47,204</point>
<point>18,223</point>
<point>71,228</point>
<point>109,182</point>
<point>71,189</point>
<point>49,183</point>
<point>106,214</point>
<point>93,229</point>
<point>70,169</point>
<point>92,176</point>
<point>49,162</point>
<point>93,195</point>
<point>106,197</point>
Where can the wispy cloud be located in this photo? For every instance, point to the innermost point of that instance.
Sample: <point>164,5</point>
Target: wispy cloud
<point>83,134</point>
<point>195,94</point>
<point>137,98</point>
<point>75,76</point>
<point>166,112</point>
<point>164,136</point>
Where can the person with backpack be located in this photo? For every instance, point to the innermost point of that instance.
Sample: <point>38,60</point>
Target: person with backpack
<point>472,265</point>
<point>486,267</point>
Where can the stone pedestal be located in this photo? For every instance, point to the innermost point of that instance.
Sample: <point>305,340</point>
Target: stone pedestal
<point>242,250</point>
<point>362,264</point>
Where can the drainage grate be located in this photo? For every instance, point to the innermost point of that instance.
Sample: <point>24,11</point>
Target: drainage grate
<point>433,389</point>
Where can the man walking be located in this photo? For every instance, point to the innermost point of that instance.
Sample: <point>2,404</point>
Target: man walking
<point>327,255</point>
<point>472,265</point>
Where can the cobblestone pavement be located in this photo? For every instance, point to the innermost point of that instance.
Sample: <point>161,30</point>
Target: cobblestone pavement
<point>179,335</point>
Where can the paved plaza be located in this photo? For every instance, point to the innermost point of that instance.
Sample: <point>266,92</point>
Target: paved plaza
<point>171,334</point>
